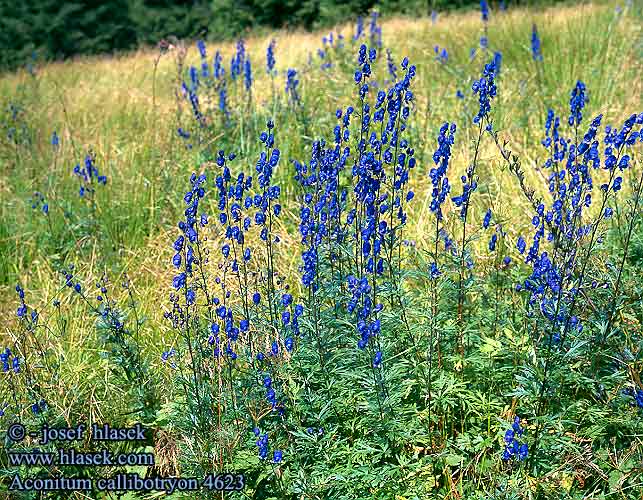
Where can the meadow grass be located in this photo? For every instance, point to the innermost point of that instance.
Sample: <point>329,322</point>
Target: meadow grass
<point>126,109</point>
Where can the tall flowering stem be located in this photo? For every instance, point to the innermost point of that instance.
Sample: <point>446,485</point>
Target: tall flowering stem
<point>485,87</point>
<point>439,192</point>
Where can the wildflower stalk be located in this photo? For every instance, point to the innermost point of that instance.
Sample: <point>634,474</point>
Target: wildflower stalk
<point>615,295</point>
<point>464,215</point>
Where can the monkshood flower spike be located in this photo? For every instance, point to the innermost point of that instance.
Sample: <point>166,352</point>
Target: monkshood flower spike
<point>515,446</point>
<point>536,51</point>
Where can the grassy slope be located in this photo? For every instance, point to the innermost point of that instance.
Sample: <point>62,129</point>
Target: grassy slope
<point>108,104</point>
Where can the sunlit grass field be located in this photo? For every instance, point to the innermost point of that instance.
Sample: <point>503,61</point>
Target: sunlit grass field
<point>126,110</point>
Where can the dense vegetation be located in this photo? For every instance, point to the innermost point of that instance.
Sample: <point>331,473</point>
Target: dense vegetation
<point>400,260</point>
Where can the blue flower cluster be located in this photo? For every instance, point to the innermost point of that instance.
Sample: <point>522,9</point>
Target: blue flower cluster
<point>441,54</point>
<point>332,45</point>
<point>291,87</point>
<point>247,75</point>
<point>486,89</point>
<point>635,393</point>
<point>375,31</point>
<point>270,58</point>
<point>536,51</point>
<point>38,201</point>
<point>359,28</point>
<point>262,445</point>
<point>577,103</point>
<point>372,204</point>
<point>484,10</point>
<point>557,273</point>
<point>321,205</point>
<point>237,63</point>
<point>88,175</point>
<point>497,61</point>
<point>514,449</point>
<point>9,361</point>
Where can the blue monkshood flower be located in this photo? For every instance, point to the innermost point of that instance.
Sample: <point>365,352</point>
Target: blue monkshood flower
<point>217,66</point>
<point>247,72</point>
<point>442,55</point>
<point>536,51</point>
<point>484,10</point>
<point>577,103</point>
<point>359,28</point>
<point>167,357</point>
<point>270,58</point>
<point>636,394</point>
<point>487,219</point>
<point>485,87</point>
<point>375,30</point>
<point>492,242</point>
<point>434,271</point>
<point>223,102</point>
<point>55,141</point>
<point>459,94</point>
<point>497,61</point>
<point>38,201</point>
<point>513,447</point>
<point>484,42</point>
<point>238,60</point>
<point>277,456</point>
<point>22,310</point>
<point>291,87</point>
<point>87,173</point>
<point>205,70</point>
<point>194,79</point>
<point>438,174</point>
<point>201,46</point>
<point>392,69</point>
<point>377,360</point>
<point>39,407</point>
<point>4,359</point>
<point>469,185</point>
<point>262,445</point>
